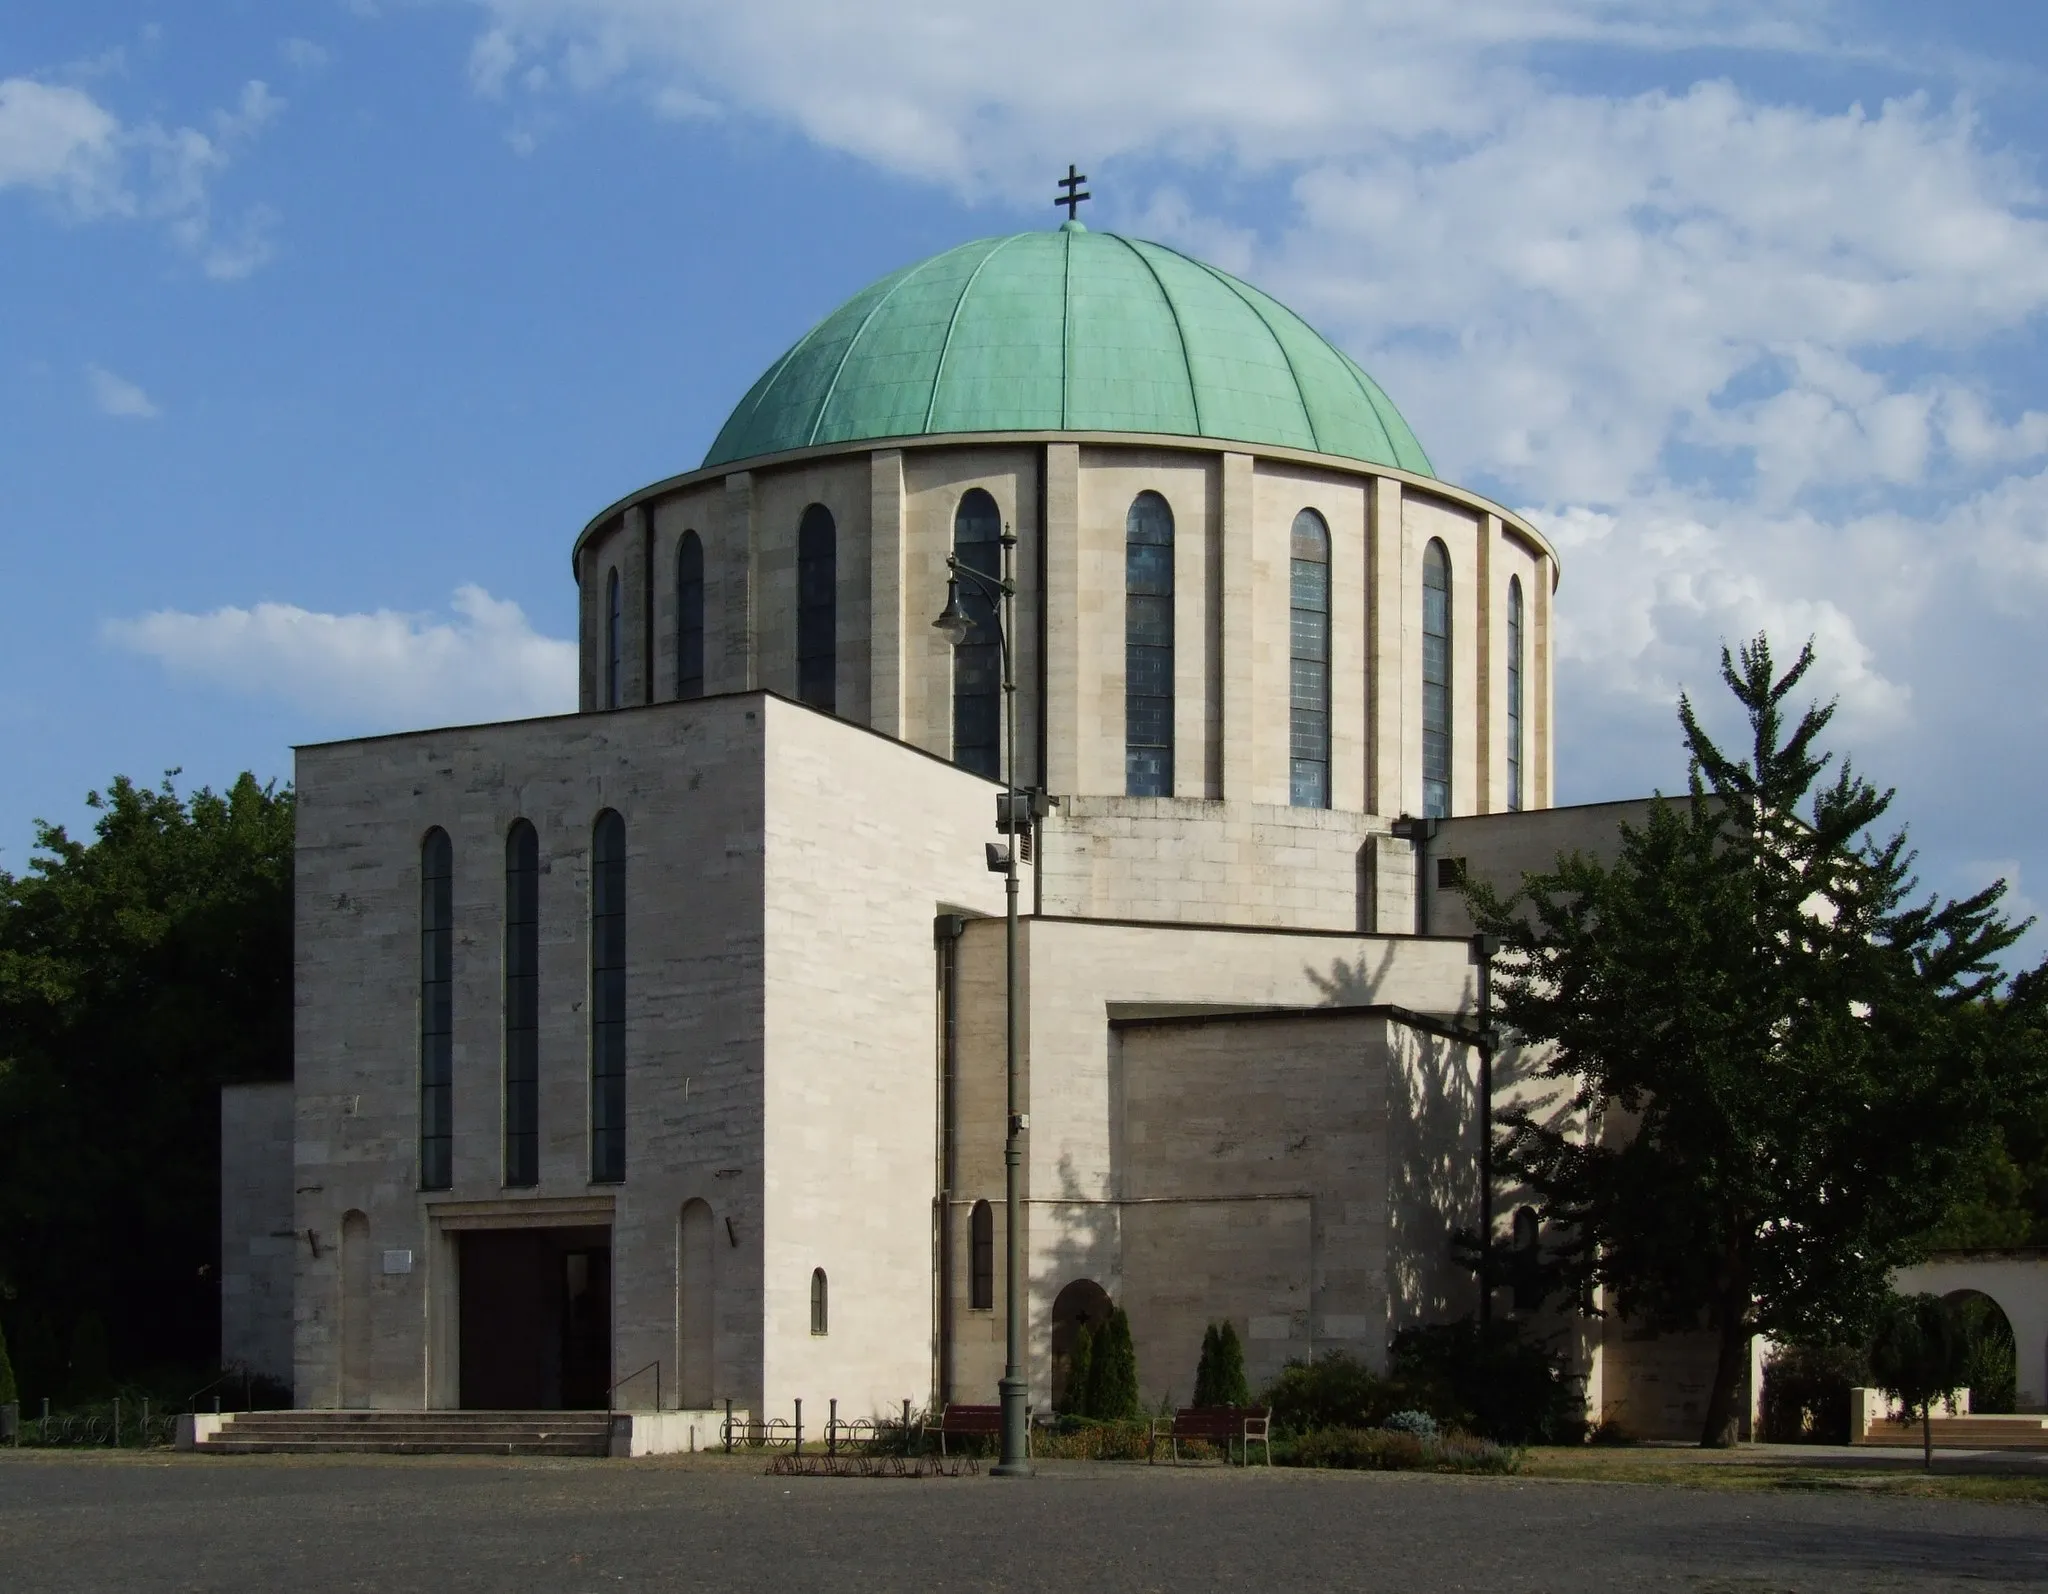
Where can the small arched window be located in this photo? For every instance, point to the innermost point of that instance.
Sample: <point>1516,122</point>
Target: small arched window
<point>1148,647</point>
<point>1514,692</point>
<point>522,1005</point>
<point>614,643</point>
<point>821,1322</point>
<point>1436,681</point>
<point>608,999</point>
<point>437,1010</point>
<point>981,1271</point>
<point>1309,662</point>
<point>978,662</point>
<point>690,617</point>
<point>1524,1261</point>
<point>817,608</point>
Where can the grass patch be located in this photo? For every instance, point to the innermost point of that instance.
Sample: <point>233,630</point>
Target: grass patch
<point>1689,1470</point>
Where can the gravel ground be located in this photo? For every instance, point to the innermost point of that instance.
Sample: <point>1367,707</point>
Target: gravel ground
<point>162,1522</point>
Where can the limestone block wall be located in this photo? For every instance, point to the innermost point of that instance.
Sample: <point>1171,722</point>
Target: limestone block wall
<point>258,1245</point>
<point>866,843</point>
<point>687,780</point>
<point>1501,848</point>
<point>1080,976</point>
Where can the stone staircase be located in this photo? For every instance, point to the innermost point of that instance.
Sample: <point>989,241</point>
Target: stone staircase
<point>1980,1431</point>
<point>408,1433</point>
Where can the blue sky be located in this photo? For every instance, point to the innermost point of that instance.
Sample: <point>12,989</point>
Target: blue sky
<point>324,326</point>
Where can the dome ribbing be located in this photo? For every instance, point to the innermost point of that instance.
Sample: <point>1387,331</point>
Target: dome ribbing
<point>1067,331</point>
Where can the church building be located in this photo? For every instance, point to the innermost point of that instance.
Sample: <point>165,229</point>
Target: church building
<point>654,1055</point>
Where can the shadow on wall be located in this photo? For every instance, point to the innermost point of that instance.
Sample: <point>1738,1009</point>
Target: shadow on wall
<point>1433,1132</point>
<point>1353,984</point>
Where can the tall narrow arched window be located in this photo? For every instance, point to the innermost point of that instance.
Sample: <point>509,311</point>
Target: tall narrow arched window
<point>608,1000</point>
<point>437,1011</point>
<point>522,1005</point>
<point>978,662</point>
<point>817,608</point>
<point>1309,662</point>
<point>981,1271</point>
<point>821,1319</point>
<point>690,617</point>
<point>614,643</point>
<point>1436,681</point>
<point>1148,647</point>
<point>1514,692</point>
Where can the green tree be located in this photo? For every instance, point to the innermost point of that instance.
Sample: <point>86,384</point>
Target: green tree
<point>1113,1371</point>
<point>1080,1371</point>
<point>139,972</point>
<point>1920,1354</point>
<point>1772,1063</point>
<point>1219,1376</point>
<point>9,1392</point>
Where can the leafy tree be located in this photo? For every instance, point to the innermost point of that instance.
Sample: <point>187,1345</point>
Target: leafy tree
<point>1336,1390</point>
<point>1112,1388</point>
<point>1219,1378</point>
<point>1080,1369</point>
<point>1773,1063</point>
<point>1921,1354</point>
<point>139,972</point>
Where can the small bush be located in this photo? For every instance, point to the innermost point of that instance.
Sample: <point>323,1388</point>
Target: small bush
<point>1806,1393</point>
<point>1419,1423</point>
<point>1220,1380</point>
<point>1391,1450</point>
<point>1084,1439</point>
<point>1494,1380</point>
<point>1333,1391</point>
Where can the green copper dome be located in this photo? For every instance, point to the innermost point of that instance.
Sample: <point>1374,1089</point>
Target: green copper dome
<point>1071,331</point>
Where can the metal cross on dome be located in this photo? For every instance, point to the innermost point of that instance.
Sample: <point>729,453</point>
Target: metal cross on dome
<point>1075,193</point>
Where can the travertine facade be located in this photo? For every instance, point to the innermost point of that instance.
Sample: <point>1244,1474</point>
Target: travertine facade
<point>1248,1091</point>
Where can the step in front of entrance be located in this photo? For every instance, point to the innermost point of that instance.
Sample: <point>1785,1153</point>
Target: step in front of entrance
<point>494,1433</point>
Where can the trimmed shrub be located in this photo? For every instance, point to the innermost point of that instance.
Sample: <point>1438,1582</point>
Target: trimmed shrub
<point>1219,1380</point>
<point>1113,1372</point>
<point>1390,1450</point>
<point>1080,1368</point>
<point>1085,1439</point>
<point>1806,1393</point>
<point>1419,1423</point>
<point>1333,1391</point>
<point>1493,1380</point>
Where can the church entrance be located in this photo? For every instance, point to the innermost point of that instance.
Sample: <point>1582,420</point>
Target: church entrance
<point>536,1323</point>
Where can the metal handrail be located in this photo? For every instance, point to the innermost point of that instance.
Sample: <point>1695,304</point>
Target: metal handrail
<point>241,1372</point>
<point>612,1405</point>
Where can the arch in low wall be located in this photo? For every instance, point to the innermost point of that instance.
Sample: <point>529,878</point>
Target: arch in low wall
<point>2018,1282</point>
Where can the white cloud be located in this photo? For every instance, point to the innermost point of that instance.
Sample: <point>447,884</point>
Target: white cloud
<point>117,396</point>
<point>60,141</point>
<point>305,54</point>
<point>382,671</point>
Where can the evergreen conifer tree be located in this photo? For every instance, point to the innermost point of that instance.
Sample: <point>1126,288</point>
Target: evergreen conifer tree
<point>1230,1387</point>
<point>1205,1370</point>
<point>9,1395</point>
<point>1113,1371</point>
<point>1080,1370</point>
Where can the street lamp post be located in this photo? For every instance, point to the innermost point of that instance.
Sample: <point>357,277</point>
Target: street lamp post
<point>1013,818</point>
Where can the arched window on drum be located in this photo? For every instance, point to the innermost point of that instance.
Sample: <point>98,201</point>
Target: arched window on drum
<point>1148,647</point>
<point>1436,681</point>
<point>817,609</point>
<point>690,616</point>
<point>614,643</point>
<point>1308,631</point>
<point>1514,692</point>
<point>978,661</point>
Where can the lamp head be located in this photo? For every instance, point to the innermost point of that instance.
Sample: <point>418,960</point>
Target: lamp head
<point>953,623</point>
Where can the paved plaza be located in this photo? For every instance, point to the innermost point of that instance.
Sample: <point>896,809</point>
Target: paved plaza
<point>145,1524</point>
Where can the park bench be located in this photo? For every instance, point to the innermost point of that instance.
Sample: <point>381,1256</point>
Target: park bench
<point>974,1422</point>
<point>1216,1425</point>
